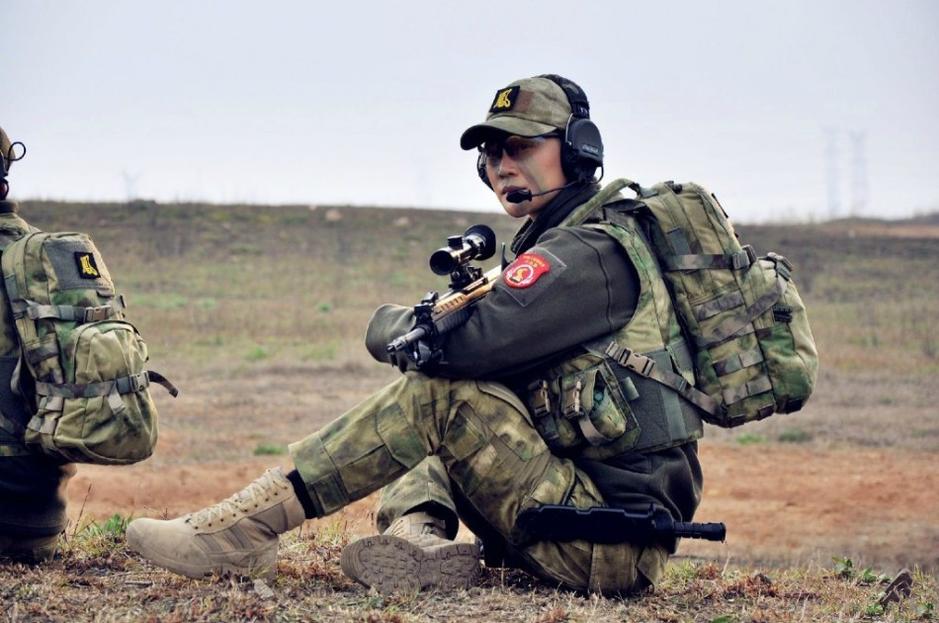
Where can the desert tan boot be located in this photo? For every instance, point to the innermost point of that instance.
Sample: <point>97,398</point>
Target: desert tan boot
<point>412,554</point>
<point>237,536</point>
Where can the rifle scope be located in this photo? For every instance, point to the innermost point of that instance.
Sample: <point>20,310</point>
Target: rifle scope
<point>477,243</point>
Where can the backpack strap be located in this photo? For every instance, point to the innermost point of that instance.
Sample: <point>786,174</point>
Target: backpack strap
<point>646,367</point>
<point>606,193</point>
<point>72,313</point>
<point>735,261</point>
<point>122,385</point>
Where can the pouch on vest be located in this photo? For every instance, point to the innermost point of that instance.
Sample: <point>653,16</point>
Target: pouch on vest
<point>583,411</point>
<point>746,324</point>
<point>86,364</point>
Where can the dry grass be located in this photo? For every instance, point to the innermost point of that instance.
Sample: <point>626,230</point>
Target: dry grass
<point>258,314</point>
<point>95,579</point>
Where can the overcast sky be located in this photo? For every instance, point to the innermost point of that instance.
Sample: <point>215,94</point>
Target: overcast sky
<point>785,109</point>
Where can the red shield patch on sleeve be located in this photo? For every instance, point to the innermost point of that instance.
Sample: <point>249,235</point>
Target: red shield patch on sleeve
<point>525,270</point>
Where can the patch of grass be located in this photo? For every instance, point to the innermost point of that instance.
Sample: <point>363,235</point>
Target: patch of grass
<point>161,301</point>
<point>795,435</point>
<point>320,352</point>
<point>114,526</point>
<point>844,567</point>
<point>749,439</point>
<point>269,449</point>
<point>258,353</point>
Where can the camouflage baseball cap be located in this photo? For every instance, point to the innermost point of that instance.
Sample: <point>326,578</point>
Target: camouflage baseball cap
<point>527,107</point>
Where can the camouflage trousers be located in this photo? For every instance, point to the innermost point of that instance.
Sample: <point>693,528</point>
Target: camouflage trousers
<point>486,453</point>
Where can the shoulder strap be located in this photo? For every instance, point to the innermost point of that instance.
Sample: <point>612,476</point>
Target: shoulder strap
<point>608,192</point>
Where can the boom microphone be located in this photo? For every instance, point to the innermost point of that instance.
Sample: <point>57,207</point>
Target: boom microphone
<point>518,196</point>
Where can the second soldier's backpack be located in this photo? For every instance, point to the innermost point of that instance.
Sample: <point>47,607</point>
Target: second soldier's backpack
<point>754,353</point>
<point>82,371</point>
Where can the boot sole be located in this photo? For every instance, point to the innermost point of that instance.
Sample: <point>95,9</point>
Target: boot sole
<point>394,565</point>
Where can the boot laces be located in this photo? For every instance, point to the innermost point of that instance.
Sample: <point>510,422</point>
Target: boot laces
<point>243,502</point>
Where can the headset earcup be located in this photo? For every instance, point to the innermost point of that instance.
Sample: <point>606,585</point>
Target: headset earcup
<point>582,151</point>
<point>481,169</point>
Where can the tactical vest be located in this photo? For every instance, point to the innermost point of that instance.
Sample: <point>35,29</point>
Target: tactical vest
<point>600,403</point>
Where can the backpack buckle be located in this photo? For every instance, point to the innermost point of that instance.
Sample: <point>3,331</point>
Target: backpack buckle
<point>94,314</point>
<point>540,399</point>
<point>626,357</point>
<point>744,259</point>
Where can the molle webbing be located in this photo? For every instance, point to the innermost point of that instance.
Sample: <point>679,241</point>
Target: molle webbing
<point>664,419</point>
<point>123,385</point>
<point>646,366</point>
<point>739,323</point>
<point>72,313</point>
<point>731,261</point>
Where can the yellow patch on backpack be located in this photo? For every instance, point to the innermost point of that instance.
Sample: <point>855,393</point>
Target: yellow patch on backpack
<point>87,268</point>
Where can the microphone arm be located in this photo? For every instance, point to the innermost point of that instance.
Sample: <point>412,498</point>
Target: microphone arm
<point>518,196</point>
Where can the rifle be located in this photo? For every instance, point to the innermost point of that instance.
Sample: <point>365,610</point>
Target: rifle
<point>553,522</point>
<point>435,315</point>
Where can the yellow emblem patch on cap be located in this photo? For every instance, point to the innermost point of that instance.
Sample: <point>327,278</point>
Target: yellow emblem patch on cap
<point>504,99</point>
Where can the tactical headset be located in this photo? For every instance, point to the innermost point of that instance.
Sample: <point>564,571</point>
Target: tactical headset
<point>5,160</point>
<point>581,145</point>
<point>11,156</point>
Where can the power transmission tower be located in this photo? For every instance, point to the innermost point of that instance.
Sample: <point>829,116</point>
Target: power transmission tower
<point>130,185</point>
<point>833,177</point>
<point>859,188</point>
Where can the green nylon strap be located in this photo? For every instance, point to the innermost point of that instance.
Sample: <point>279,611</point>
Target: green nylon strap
<point>645,366</point>
<point>722,303</point>
<point>737,361</point>
<point>43,351</point>
<point>735,261</point>
<point>590,432</point>
<point>122,385</point>
<point>73,313</point>
<point>9,283</point>
<point>741,324</point>
<point>609,191</point>
<point>759,385</point>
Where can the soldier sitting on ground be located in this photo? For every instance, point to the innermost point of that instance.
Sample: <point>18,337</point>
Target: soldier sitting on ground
<point>32,485</point>
<point>523,410</point>
<point>73,382</point>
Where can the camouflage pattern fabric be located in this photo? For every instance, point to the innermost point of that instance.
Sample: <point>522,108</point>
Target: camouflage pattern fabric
<point>426,485</point>
<point>527,107</point>
<point>88,363</point>
<point>483,436</point>
<point>32,486</point>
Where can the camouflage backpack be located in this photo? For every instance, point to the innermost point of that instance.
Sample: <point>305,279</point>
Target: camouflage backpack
<point>754,353</point>
<point>82,366</point>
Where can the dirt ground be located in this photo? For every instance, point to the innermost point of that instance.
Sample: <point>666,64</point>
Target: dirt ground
<point>783,503</point>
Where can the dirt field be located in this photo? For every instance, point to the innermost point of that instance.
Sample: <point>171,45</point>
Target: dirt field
<point>833,493</point>
<point>258,314</point>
